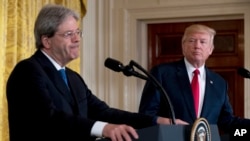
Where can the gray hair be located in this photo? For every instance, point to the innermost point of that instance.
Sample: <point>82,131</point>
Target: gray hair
<point>48,20</point>
<point>199,28</point>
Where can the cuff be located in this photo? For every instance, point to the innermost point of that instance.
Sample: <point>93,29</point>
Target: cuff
<point>97,128</point>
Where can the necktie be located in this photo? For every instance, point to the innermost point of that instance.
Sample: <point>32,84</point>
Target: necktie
<point>63,74</point>
<point>196,90</point>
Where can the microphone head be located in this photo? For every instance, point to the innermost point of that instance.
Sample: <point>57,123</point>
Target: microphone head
<point>244,72</point>
<point>113,65</point>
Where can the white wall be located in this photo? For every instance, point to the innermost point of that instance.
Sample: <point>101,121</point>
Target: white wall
<point>117,29</point>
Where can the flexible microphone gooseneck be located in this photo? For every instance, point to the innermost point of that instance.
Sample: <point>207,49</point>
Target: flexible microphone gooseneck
<point>158,86</point>
<point>128,71</point>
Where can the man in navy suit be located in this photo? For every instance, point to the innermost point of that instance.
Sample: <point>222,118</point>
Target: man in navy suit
<point>175,77</point>
<point>44,107</point>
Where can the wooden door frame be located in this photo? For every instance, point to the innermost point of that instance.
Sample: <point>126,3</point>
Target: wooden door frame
<point>164,45</point>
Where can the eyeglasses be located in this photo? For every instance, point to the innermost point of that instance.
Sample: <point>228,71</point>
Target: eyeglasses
<point>71,34</point>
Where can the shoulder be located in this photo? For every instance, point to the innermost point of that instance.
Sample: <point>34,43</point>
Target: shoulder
<point>168,66</point>
<point>26,65</point>
<point>214,76</point>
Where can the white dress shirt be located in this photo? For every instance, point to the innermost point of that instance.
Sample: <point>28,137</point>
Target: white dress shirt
<point>202,81</point>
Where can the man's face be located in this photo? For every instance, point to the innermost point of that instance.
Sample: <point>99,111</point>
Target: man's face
<point>197,47</point>
<point>64,45</point>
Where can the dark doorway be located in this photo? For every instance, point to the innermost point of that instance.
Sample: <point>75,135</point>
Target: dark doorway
<point>164,45</point>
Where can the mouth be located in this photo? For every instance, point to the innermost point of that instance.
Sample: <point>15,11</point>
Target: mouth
<point>196,53</point>
<point>74,46</point>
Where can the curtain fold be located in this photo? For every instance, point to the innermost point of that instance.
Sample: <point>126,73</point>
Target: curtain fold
<point>17,18</point>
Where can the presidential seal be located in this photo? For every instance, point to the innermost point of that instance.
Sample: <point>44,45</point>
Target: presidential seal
<point>200,130</point>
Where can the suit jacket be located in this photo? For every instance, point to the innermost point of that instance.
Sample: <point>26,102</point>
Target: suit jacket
<point>42,108</point>
<point>174,79</point>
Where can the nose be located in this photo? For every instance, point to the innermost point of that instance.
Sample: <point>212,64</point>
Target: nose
<point>197,43</point>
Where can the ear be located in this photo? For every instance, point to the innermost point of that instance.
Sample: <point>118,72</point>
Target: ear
<point>45,41</point>
<point>211,50</point>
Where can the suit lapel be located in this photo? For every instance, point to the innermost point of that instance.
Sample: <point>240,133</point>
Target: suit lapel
<point>61,86</point>
<point>186,88</point>
<point>209,96</point>
<point>54,76</point>
<point>184,82</point>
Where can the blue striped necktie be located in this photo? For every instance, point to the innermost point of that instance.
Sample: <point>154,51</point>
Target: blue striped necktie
<point>63,74</point>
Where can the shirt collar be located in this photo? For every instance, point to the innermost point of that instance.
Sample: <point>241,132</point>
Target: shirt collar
<point>55,64</point>
<point>191,68</point>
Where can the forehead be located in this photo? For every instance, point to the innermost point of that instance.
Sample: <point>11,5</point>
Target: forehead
<point>200,34</point>
<point>69,23</point>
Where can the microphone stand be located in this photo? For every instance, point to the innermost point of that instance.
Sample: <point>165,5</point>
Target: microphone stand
<point>159,86</point>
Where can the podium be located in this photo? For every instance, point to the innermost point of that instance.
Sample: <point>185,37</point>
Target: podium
<point>171,133</point>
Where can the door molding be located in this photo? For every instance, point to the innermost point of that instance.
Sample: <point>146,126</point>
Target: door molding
<point>186,15</point>
<point>114,29</point>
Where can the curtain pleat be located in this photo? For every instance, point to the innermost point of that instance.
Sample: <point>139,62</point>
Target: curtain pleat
<point>17,18</point>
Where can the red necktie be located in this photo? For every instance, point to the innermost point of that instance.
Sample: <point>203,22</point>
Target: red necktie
<point>196,90</point>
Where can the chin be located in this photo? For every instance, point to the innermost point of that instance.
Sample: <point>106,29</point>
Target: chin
<point>74,57</point>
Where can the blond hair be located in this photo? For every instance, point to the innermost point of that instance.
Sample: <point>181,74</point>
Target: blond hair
<point>199,28</point>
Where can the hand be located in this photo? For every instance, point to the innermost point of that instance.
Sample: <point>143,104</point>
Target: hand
<point>119,132</point>
<point>162,120</point>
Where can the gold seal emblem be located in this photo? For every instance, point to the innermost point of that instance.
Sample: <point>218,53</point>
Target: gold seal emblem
<point>200,130</point>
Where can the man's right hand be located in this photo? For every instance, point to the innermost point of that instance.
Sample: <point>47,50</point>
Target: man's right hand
<point>119,132</point>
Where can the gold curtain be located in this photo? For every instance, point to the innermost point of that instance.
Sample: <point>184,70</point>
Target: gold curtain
<point>17,42</point>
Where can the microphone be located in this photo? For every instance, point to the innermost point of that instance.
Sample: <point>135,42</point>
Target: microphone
<point>244,72</point>
<point>113,65</point>
<point>119,67</point>
<point>128,71</point>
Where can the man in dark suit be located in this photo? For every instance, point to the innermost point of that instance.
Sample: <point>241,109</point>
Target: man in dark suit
<point>47,105</point>
<point>176,78</point>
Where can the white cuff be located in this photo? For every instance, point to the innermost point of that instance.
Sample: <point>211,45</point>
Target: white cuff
<point>98,128</point>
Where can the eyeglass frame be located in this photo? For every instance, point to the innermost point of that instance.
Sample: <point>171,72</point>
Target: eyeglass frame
<point>70,34</point>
